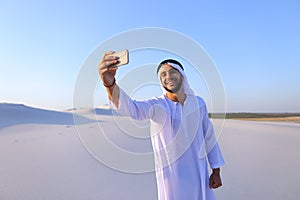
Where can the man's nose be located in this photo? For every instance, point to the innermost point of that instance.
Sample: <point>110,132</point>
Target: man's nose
<point>168,75</point>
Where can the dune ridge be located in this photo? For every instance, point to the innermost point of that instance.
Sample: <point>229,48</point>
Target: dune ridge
<point>14,114</point>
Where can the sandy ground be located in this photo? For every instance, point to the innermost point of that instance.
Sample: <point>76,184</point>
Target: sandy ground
<point>42,159</point>
<point>262,160</point>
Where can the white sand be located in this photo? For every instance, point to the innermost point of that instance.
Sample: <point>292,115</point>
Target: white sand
<point>42,157</point>
<point>262,160</point>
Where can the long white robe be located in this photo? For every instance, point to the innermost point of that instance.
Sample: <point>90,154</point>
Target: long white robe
<point>183,141</point>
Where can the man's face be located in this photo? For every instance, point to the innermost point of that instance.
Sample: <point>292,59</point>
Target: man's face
<point>170,78</point>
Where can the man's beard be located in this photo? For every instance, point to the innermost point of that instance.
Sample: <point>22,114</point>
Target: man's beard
<point>176,89</point>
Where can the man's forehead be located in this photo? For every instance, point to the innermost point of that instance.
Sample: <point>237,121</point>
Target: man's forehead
<point>167,67</point>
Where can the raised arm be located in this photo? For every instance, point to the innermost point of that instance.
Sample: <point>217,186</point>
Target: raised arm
<point>107,71</point>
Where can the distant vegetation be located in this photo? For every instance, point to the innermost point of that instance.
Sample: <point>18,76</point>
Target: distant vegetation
<point>252,115</point>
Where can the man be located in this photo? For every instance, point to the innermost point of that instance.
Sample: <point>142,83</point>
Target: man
<point>181,133</point>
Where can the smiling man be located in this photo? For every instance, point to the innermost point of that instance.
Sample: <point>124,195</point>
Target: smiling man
<point>182,135</point>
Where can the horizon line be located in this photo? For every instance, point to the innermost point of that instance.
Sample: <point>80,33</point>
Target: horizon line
<point>107,106</point>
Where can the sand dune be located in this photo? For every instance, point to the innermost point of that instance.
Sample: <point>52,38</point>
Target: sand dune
<point>42,157</point>
<point>14,114</point>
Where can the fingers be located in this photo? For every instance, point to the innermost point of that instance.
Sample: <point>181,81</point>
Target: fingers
<point>215,181</point>
<point>108,71</point>
<point>215,185</point>
<point>108,64</point>
<point>107,54</point>
<point>108,60</point>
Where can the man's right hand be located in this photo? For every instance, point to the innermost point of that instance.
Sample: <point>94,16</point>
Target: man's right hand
<point>107,69</point>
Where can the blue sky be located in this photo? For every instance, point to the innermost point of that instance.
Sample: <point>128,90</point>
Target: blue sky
<point>255,46</point>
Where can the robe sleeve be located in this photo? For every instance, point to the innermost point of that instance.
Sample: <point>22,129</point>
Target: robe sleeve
<point>138,110</point>
<point>214,155</point>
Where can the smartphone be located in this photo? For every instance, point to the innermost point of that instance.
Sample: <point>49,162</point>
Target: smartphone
<point>123,57</point>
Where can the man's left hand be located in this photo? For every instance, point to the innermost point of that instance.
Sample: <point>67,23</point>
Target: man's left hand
<point>215,179</point>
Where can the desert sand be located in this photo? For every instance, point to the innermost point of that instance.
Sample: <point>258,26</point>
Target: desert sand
<point>43,156</point>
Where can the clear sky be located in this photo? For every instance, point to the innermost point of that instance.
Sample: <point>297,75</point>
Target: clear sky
<point>254,44</point>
